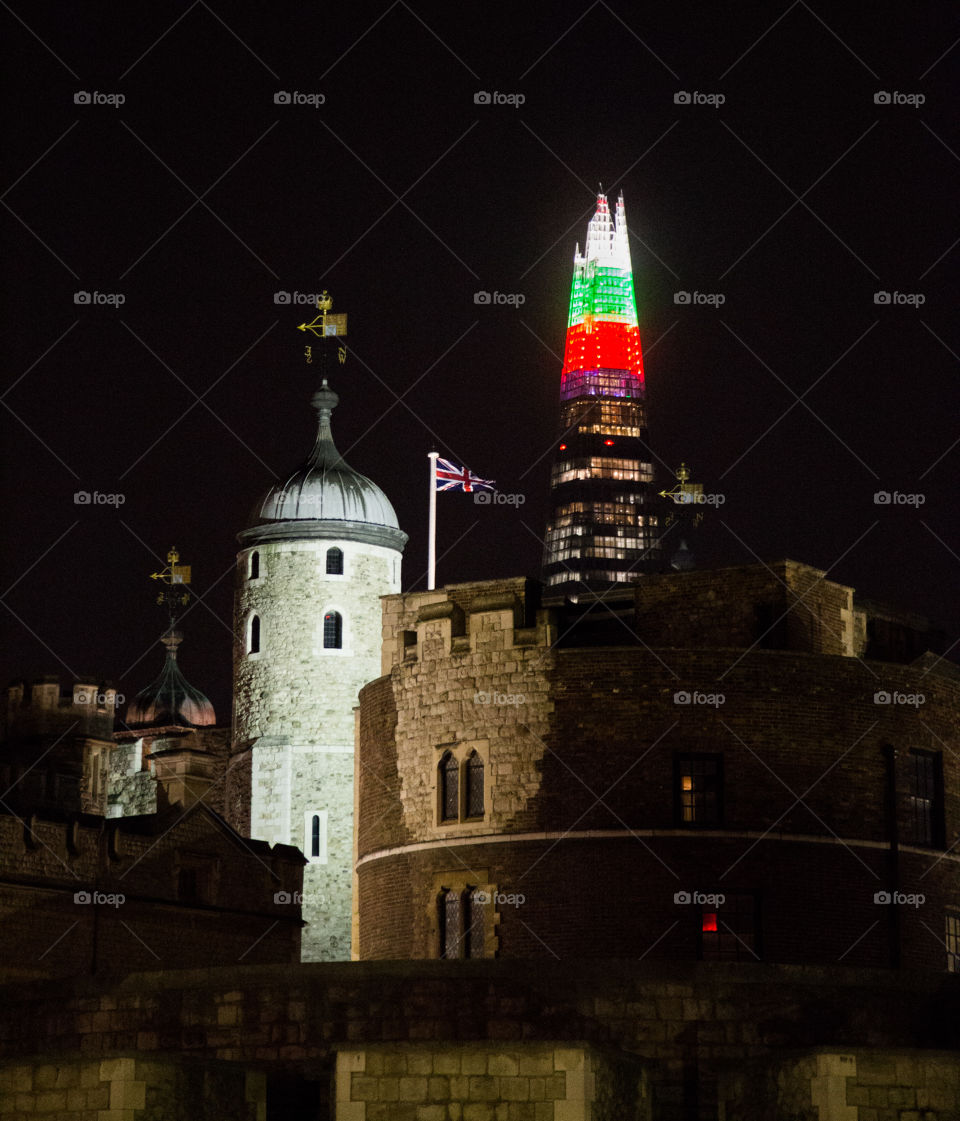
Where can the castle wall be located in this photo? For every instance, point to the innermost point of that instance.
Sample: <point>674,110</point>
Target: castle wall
<point>581,747</point>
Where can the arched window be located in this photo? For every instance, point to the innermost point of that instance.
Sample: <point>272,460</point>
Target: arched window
<point>474,785</point>
<point>334,561</point>
<point>450,916</point>
<point>315,835</point>
<point>254,570</point>
<point>253,637</point>
<point>332,631</point>
<point>449,776</point>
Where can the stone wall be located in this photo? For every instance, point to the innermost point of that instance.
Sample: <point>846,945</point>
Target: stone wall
<point>293,710</point>
<point>690,1031</point>
<point>130,1089</point>
<point>512,1082</point>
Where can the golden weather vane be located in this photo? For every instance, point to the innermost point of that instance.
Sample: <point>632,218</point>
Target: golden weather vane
<point>324,326</point>
<point>176,577</point>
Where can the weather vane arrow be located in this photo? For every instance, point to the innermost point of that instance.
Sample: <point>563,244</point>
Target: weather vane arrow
<point>316,326</point>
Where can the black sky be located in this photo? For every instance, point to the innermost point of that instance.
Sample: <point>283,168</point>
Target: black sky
<point>797,200</point>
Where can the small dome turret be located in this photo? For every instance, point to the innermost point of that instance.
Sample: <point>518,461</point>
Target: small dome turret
<point>171,699</point>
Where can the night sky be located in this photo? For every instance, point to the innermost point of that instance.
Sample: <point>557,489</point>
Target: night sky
<point>199,197</point>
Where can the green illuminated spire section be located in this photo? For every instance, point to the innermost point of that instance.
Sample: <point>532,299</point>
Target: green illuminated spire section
<point>603,274</point>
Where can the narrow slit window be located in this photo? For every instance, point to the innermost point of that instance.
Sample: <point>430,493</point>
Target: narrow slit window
<point>253,644</point>
<point>254,571</point>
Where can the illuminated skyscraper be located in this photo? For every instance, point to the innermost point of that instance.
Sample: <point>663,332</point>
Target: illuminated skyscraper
<point>603,528</point>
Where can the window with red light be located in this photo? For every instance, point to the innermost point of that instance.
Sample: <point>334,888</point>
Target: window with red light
<point>729,929</point>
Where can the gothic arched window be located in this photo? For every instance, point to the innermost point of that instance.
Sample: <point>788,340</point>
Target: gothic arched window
<point>474,785</point>
<point>449,776</point>
<point>254,570</point>
<point>474,937</point>
<point>332,631</point>
<point>253,638</point>
<point>334,562</point>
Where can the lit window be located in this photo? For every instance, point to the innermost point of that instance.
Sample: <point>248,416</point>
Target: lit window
<point>253,636</point>
<point>729,930</point>
<point>332,631</point>
<point>254,570</point>
<point>334,562</point>
<point>474,785</point>
<point>699,789</point>
<point>449,776</point>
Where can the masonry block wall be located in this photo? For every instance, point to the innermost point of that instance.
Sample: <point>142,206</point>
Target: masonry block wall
<point>682,1034</point>
<point>581,748</point>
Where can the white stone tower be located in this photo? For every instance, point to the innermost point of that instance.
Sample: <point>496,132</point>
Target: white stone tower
<point>321,549</point>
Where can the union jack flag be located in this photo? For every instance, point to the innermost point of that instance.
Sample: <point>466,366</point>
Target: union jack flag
<point>451,477</point>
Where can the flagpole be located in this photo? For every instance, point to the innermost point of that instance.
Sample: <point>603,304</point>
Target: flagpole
<point>432,541</point>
